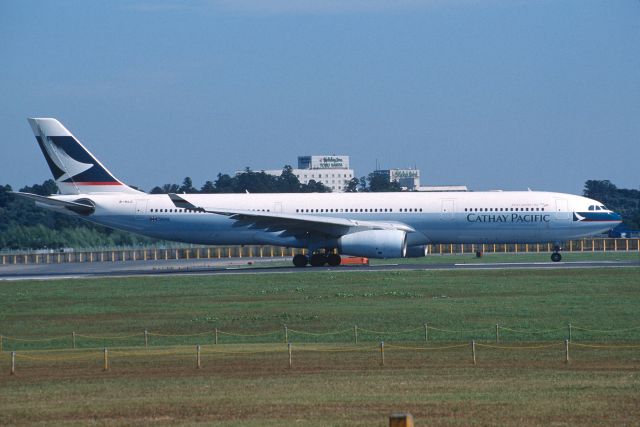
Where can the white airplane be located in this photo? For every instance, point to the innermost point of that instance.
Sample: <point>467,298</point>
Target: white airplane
<point>375,225</point>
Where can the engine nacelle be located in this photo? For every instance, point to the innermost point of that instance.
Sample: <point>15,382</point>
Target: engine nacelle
<point>374,244</point>
<point>417,251</point>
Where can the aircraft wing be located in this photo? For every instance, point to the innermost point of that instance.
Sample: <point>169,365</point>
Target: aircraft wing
<point>79,208</point>
<point>294,223</point>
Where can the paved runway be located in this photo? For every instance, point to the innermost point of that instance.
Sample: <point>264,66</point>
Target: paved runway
<point>259,266</point>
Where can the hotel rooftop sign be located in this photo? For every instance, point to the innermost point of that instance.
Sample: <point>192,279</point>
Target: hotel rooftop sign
<point>323,162</point>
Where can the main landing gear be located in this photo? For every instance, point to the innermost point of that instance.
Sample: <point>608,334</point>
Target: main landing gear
<point>317,259</point>
<point>555,256</point>
<point>300,260</point>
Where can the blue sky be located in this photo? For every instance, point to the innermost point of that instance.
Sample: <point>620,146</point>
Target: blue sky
<point>490,94</point>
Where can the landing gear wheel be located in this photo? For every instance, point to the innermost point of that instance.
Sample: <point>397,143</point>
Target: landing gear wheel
<point>300,260</point>
<point>318,260</point>
<point>478,254</point>
<point>333,260</point>
<point>556,257</point>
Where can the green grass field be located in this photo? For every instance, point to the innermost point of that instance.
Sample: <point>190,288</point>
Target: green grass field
<point>245,380</point>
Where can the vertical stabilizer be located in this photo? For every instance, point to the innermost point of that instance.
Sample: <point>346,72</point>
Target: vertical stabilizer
<point>74,168</point>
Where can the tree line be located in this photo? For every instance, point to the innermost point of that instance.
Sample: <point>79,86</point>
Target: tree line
<point>261,182</point>
<point>23,226</point>
<point>624,201</point>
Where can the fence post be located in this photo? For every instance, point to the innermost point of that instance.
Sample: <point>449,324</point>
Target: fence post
<point>473,351</point>
<point>355,333</point>
<point>73,338</point>
<point>381,353</point>
<point>426,332</point>
<point>497,333</point>
<point>0,343</point>
<point>401,419</point>
<point>216,341</point>
<point>290,358</point>
<point>146,339</point>
<point>286,334</point>
<point>13,363</point>
<point>106,359</point>
<point>198,355</point>
<point>569,331</point>
<point>566,351</point>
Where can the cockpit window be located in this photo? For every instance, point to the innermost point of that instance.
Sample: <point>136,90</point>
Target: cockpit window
<point>604,208</point>
<point>592,208</point>
<point>597,208</point>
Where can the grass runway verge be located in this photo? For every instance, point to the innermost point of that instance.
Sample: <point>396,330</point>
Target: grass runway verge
<point>250,382</point>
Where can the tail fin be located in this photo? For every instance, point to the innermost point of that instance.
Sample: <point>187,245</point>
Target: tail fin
<point>74,168</point>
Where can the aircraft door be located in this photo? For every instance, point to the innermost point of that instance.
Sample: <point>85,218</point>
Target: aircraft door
<point>562,209</point>
<point>277,207</point>
<point>446,213</point>
<point>141,208</point>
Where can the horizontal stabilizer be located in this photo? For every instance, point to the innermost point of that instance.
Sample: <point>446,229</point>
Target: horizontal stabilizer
<point>82,207</point>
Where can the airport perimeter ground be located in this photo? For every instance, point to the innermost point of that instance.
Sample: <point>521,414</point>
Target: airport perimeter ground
<point>244,380</point>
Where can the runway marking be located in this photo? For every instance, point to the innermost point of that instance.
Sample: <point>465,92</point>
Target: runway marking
<point>210,270</point>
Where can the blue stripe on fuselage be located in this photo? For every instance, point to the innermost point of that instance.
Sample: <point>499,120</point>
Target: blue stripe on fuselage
<point>596,216</point>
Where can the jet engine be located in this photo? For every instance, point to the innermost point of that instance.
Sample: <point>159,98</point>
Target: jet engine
<point>374,244</point>
<point>417,251</point>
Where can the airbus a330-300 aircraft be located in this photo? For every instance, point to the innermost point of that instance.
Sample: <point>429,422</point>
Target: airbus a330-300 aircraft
<point>375,225</point>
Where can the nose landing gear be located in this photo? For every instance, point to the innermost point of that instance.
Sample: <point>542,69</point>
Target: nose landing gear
<point>555,256</point>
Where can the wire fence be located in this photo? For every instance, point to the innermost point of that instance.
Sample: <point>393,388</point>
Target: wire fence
<point>425,333</point>
<point>181,252</point>
<point>290,355</point>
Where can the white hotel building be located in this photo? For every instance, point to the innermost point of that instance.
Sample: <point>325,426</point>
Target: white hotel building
<point>332,171</point>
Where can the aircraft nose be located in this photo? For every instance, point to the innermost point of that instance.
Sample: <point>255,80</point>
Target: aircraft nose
<point>615,217</point>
